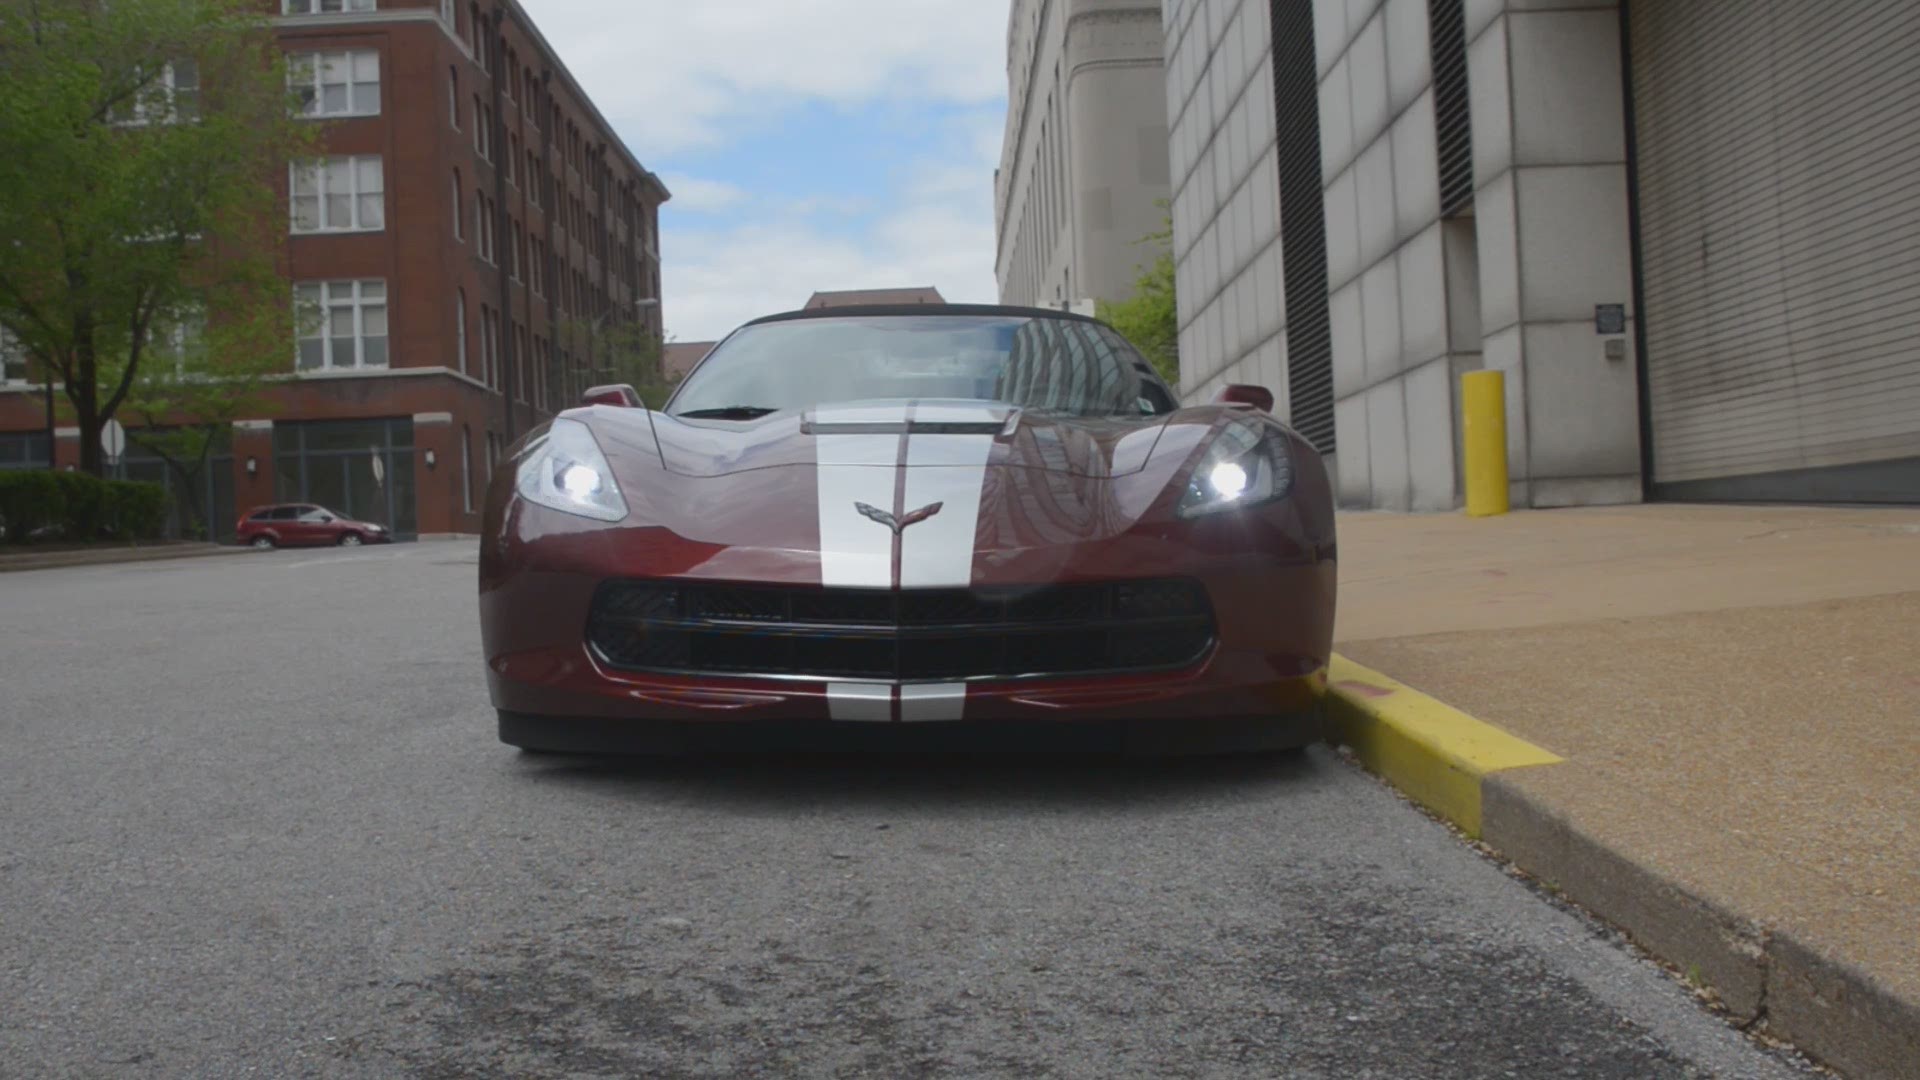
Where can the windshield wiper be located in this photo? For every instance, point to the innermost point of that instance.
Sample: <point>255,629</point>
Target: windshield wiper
<point>730,412</point>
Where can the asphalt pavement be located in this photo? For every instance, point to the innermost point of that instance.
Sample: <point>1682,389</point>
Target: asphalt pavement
<point>254,822</point>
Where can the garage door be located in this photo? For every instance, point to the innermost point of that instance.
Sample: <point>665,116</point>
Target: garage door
<point>1777,149</point>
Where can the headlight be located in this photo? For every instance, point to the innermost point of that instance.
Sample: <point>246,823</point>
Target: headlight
<point>1247,465</point>
<point>564,470</point>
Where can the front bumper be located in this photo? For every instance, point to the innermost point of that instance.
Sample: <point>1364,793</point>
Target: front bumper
<point>1269,579</point>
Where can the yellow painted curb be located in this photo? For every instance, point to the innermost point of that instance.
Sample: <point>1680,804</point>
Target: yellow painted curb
<point>1434,752</point>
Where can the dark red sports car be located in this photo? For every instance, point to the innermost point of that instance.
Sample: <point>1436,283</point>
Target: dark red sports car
<point>960,518</point>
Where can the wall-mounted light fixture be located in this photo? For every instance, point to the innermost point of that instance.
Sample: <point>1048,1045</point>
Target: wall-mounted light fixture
<point>253,467</point>
<point>430,459</point>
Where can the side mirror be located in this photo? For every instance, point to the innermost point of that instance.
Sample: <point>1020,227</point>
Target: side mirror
<point>1246,394</point>
<point>620,395</point>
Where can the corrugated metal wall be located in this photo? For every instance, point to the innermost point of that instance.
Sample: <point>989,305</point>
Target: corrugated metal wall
<point>1303,224</point>
<point>1777,149</point>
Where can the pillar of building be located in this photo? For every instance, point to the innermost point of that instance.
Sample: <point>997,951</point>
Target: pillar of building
<point>252,464</point>
<point>436,474</point>
<point>66,447</point>
<point>1554,244</point>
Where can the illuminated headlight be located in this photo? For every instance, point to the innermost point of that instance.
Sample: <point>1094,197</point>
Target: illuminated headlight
<point>1247,465</point>
<point>564,470</point>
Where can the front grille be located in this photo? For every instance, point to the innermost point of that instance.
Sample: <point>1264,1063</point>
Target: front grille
<point>910,635</point>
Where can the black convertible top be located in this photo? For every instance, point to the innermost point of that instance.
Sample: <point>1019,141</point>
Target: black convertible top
<point>868,310</point>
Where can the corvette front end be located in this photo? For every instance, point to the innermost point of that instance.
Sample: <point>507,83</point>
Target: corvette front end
<point>663,580</point>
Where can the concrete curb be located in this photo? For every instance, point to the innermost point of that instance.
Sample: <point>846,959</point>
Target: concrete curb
<point>52,560</point>
<point>1450,763</point>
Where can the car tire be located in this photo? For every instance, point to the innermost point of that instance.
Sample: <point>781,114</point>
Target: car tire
<point>351,540</point>
<point>261,543</point>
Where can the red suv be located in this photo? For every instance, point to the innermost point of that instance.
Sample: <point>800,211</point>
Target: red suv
<point>305,525</point>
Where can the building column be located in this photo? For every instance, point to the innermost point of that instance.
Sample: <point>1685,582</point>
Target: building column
<point>1550,202</point>
<point>436,475</point>
<point>66,447</point>
<point>252,442</point>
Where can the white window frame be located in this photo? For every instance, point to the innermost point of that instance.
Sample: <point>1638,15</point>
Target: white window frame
<point>322,170</point>
<point>327,7</point>
<point>356,301</point>
<point>172,334</point>
<point>147,108</point>
<point>306,72</point>
<point>13,356</point>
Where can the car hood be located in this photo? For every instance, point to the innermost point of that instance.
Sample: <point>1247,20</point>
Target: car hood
<point>910,433</point>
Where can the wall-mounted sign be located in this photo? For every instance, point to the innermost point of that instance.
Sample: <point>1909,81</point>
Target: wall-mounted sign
<point>1609,318</point>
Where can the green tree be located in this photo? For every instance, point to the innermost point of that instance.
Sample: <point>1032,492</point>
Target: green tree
<point>195,381</point>
<point>135,157</point>
<point>1149,318</point>
<point>626,352</point>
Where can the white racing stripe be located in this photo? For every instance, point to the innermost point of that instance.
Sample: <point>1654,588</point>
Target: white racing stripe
<point>860,702</point>
<point>854,551</point>
<point>922,703</point>
<point>936,552</point>
<point>951,470</point>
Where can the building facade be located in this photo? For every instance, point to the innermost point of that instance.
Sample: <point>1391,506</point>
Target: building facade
<point>461,254</point>
<point>1679,230</point>
<point>1083,164</point>
<point>913,294</point>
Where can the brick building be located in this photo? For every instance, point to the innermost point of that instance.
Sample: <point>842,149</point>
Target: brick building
<point>474,229</point>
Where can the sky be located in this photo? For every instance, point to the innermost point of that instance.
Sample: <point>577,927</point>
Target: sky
<point>808,144</point>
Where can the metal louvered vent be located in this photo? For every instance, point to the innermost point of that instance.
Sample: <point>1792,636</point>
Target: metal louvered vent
<point>1452,119</point>
<point>1303,223</point>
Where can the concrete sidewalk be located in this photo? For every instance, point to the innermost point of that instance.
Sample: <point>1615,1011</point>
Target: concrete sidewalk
<point>31,558</point>
<point>1735,692</point>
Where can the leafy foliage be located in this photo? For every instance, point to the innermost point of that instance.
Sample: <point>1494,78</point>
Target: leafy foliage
<point>628,353</point>
<point>1149,318</point>
<point>38,504</point>
<point>139,140</point>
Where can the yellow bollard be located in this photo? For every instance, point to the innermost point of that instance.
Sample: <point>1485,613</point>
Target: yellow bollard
<point>1483,407</point>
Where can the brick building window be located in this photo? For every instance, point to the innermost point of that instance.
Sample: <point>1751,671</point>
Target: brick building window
<point>336,83</point>
<point>459,208</point>
<point>324,7</point>
<point>513,159</point>
<point>453,98</point>
<point>490,346</point>
<point>466,468</point>
<point>520,364</point>
<point>338,194</point>
<point>343,325</point>
<point>482,130</point>
<point>483,225</point>
<point>13,359</point>
<point>519,251</point>
<point>460,328</point>
<point>533,179</point>
<point>536,266</point>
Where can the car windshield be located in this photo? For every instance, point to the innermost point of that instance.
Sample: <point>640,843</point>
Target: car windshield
<point>1068,366</point>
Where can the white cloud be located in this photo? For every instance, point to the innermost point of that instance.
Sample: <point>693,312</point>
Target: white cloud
<point>681,77</point>
<point>714,281</point>
<point>675,74</point>
<point>696,195</point>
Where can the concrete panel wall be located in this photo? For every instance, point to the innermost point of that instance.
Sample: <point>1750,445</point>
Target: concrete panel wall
<point>1387,267</point>
<point>1084,158</point>
<point>1226,196</point>
<point>1551,209</point>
